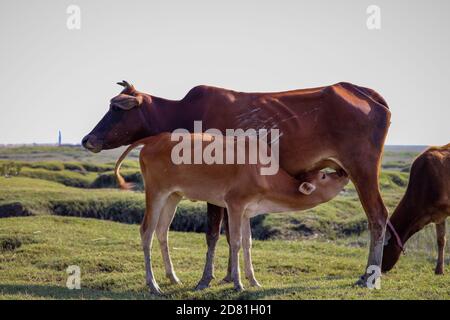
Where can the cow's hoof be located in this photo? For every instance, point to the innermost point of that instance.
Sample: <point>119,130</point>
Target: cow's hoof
<point>202,285</point>
<point>154,288</point>
<point>439,271</point>
<point>366,281</point>
<point>239,287</point>
<point>361,282</point>
<point>227,279</point>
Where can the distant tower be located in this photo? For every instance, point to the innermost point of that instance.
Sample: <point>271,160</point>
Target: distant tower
<point>59,138</point>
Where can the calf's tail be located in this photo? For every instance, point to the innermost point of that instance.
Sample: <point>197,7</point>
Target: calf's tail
<point>120,180</point>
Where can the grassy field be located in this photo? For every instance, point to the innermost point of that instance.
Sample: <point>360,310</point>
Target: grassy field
<point>48,193</point>
<point>35,252</point>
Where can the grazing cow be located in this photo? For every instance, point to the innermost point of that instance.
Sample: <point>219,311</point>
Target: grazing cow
<point>342,126</point>
<point>427,200</point>
<point>238,187</point>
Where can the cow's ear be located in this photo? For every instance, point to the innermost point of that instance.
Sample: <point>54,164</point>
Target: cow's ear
<point>307,188</point>
<point>126,102</point>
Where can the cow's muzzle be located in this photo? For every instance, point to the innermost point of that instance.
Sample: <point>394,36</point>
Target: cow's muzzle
<point>91,143</point>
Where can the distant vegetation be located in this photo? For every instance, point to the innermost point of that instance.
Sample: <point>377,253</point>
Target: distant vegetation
<point>64,153</point>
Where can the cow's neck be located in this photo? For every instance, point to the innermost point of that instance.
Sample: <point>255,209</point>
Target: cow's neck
<point>167,115</point>
<point>408,218</point>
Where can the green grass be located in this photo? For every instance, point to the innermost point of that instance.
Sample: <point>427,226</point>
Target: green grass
<point>65,177</point>
<point>74,174</point>
<point>35,252</point>
<point>66,153</point>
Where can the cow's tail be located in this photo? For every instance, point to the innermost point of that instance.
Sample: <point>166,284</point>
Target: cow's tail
<point>120,180</point>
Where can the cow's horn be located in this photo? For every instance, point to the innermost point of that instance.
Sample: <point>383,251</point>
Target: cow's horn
<point>124,84</point>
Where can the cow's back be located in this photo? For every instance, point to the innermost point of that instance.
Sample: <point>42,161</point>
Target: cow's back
<point>315,124</point>
<point>429,183</point>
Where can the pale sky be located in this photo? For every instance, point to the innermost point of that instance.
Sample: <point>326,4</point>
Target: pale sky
<point>54,78</point>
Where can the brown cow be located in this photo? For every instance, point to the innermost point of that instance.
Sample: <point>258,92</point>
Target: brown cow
<point>339,126</point>
<point>427,200</point>
<point>241,188</point>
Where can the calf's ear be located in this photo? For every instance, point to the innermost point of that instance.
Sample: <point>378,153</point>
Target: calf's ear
<point>307,188</point>
<point>126,102</point>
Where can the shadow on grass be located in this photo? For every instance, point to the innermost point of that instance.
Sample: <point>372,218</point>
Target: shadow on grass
<point>56,292</point>
<point>227,292</point>
<point>285,292</point>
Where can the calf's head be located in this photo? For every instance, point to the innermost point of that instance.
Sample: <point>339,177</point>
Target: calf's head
<point>322,185</point>
<point>125,122</point>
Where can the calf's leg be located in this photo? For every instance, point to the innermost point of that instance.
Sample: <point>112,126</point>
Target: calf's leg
<point>214,217</point>
<point>440,235</point>
<point>162,233</point>
<point>154,204</point>
<point>235,221</point>
<point>247,247</point>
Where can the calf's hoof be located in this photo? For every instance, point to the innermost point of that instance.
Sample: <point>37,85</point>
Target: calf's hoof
<point>254,283</point>
<point>174,279</point>
<point>154,288</point>
<point>439,270</point>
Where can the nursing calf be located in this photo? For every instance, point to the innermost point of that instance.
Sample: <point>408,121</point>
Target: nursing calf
<point>427,200</point>
<point>240,188</point>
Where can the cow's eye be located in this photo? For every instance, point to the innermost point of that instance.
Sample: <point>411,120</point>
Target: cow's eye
<point>324,176</point>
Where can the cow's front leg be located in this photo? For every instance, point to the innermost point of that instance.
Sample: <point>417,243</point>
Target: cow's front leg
<point>440,237</point>
<point>228,278</point>
<point>214,217</point>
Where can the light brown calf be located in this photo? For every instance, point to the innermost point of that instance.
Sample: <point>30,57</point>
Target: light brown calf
<point>238,187</point>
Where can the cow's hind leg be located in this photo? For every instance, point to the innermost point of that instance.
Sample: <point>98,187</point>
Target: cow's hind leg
<point>154,205</point>
<point>364,175</point>
<point>162,232</point>
<point>440,235</point>
<point>214,217</point>
<point>235,224</point>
